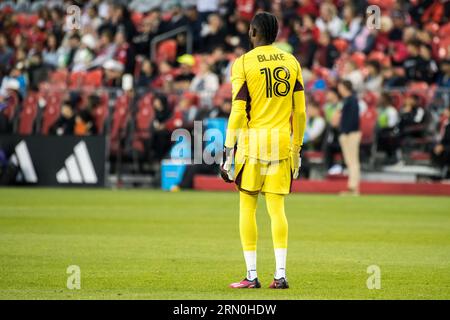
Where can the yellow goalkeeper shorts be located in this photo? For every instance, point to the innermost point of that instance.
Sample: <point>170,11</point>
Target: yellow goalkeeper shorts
<point>253,176</point>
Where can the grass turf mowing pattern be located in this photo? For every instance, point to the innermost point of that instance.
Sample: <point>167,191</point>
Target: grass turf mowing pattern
<point>142,244</point>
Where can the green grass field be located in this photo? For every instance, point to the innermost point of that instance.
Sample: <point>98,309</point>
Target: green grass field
<point>155,245</point>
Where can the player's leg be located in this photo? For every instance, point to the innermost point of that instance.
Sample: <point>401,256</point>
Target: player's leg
<point>275,208</point>
<point>249,235</point>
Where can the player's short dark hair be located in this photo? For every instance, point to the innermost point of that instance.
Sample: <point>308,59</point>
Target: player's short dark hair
<point>266,25</point>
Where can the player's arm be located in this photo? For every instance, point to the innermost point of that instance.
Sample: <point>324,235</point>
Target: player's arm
<point>238,116</point>
<point>298,121</point>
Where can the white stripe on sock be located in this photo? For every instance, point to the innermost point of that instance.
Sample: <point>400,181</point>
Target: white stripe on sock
<point>280,260</point>
<point>250,261</point>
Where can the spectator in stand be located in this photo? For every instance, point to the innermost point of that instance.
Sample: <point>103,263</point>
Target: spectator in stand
<point>106,49</point>
<point>444,78</point>
<point>17,74</point>
<point>65,125</point>
<point>315,127</point>
<point>124,52</point>
<point>213,33</point>
<point>315,130</point>
<point>84,55</point>
<point>413,118</point>
<point>352,73</point>
<point>351,23</point>
<point>207,7</point>
<point>195,25</point>
<point>327,53</point>
<point>90,20</point>
<point>374,79</point>
<point>328,20</point>
<point>412,64</point>
<point>391,79</point>
<point>84,123</point>
<point>177,17</point>
<point>68,50</point>
<point>113,74</point>
<point>6,52</point>
<point>183,79</point>
<point>239,36</point>
<point>147,74</point>
<point>398,21</point>
<point>160,143</point>
<point>350,135</point>
<point>332,109</point>
<point>164,79</point>
<point>51,54</point>
<point>443,83</point>
<point>220,63</point>
<point>387,129</point>
<point>441,151</point>
<point>364,40</point>
<point>428,67</point>
<point>205,84</point>
<point>37,71</point>
<point>304,39</point>
<point>150,28</point>
<point>119,18</point>
<point>186,111</point>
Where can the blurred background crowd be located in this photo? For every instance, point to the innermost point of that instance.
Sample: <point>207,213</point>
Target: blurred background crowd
<point>137,70</point>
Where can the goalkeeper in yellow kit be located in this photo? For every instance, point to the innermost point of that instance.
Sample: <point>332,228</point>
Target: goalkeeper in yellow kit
<point>264,138</point>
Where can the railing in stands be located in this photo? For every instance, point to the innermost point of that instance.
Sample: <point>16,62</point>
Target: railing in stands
<point>170,34</point>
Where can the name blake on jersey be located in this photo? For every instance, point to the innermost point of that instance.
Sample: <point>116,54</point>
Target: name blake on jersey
<point>271,57</point>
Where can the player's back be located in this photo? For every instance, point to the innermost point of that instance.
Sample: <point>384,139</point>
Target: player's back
<point>271,75</point>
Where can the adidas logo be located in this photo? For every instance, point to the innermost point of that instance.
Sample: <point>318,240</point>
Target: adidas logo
<point>22,159</point>
<point>78,167</point>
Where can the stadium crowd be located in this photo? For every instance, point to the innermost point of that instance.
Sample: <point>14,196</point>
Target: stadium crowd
<point>398,73</point>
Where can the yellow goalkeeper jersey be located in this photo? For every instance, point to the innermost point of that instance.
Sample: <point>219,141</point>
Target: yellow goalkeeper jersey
<point>267,90</point>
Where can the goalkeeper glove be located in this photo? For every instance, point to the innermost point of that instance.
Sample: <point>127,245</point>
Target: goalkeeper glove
<point>296,163</point>
<point>225,168</point>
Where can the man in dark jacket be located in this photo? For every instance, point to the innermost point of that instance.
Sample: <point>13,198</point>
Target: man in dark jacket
<point>350,135</point>
<point>441,152</point>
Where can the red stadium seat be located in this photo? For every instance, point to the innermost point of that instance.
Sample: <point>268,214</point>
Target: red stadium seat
<point>359,58</point>
<point>146,101</point>
<point>100,113</point>
<point>28,114</point>
<point>224,93</point>
<point>76,79</point>
<point>119,122</point>
<point>368,122</point>
<point>340,44</point>
<point>59,76</point>
<point>167,51</point>
<point>12,103</point>
<point>51,112</point>
<point>93,79</point>
<point>143,121</point>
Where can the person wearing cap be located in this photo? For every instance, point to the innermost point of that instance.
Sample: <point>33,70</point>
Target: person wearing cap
<point>113,73</point>
<point>184,77</point>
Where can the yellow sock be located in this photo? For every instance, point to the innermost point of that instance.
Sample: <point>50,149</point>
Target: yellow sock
<point>247,221</point>
<point>275,207</point>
